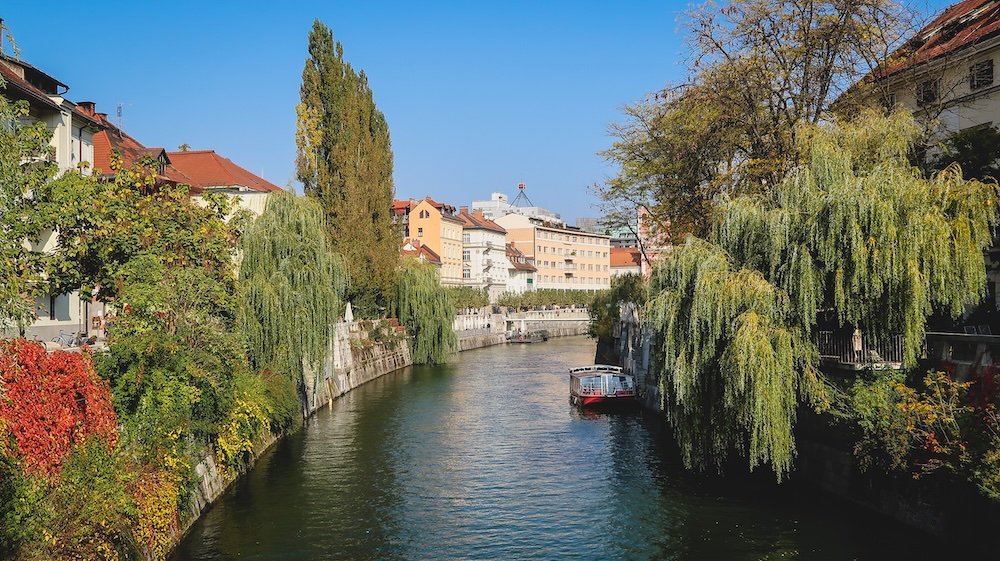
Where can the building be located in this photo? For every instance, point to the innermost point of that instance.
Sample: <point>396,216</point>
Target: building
<point>436,226</point>
<point>72,128</point>
<point>204,171</point>
<point>484,259</point>
<point>589,224</point>
<point>420,252</point>
<point>208,172</point>
<point>73,131</point>
<point>498,206</point>
<point>625,260</point>
<point>521,271</point>
<point>565,257</point>
<point>945,73</point>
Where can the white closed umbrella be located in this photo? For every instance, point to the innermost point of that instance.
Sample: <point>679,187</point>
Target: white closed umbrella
<point>348,313</point>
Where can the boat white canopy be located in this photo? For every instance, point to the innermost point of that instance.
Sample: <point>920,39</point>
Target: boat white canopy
<point>596,369</point>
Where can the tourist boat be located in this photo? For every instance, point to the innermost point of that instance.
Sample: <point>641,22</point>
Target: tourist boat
<point>600,384</point>
<point>529,337</point>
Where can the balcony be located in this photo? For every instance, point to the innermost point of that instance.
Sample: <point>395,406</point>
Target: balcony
<point>488,263</point>
<point>843,351</point>
<point>569,267</point>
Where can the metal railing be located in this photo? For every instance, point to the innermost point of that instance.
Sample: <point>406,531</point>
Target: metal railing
<point>844,350</point>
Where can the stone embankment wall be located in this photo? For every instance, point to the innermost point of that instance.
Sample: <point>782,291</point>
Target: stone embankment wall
<point>359,353</point>
<point>364,350</point>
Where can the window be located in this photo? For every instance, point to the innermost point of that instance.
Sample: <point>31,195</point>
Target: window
<point>424,214</point>
<point>466,255</point>
<point>927,92</point>
<point>466,274</point>
<point>981,74</point>
<point>889,101</point>
<point>466,238</point>
<point>420,232</point>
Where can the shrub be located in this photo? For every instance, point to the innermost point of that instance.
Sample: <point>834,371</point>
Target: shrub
<point>51,402</point>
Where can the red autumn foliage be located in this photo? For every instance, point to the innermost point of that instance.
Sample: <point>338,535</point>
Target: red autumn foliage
<point>49,402</point>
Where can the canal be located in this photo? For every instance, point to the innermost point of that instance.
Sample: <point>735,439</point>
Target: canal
<point>484,458</point>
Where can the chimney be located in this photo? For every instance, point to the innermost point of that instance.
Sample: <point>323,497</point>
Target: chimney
<point>86,106</point>
<point>463,209</point>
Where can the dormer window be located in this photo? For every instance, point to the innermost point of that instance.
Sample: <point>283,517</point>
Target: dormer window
<point>981,74</point>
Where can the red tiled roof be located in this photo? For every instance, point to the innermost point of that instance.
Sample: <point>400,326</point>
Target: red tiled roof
<point>514,254</point>
<point>625,257</point>
<point>958,27</point>
<point>402,206</point>
<point>478,221</point>
<point>111,139</point>
<point>413,248</point>
<point>28,90</point>
<point>206,169</point>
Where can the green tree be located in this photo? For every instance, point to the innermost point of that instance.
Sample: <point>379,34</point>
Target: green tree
<point>26,170</point>
<point>759,69</point>
<point>292,289</point>
<point>345,161</point>
<point>854,229</point>
<point>465,297</point>
<point>104,225</point>
<point>423,306</point>
<point>976,150</point>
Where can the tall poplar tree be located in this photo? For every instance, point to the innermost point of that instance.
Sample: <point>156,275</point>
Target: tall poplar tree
<point>345,162</point>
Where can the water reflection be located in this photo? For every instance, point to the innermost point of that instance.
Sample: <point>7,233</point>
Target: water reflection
<point>485,459</point>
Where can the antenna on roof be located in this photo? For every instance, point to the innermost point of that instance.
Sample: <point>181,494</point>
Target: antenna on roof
<point>118,113</point>
<point>522,196</point>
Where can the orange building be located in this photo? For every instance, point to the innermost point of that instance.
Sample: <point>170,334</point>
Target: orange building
<point>436,226</point>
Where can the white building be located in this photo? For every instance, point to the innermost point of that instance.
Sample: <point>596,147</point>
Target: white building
<point>498,206</point>
<point>73,143</point>
<point>484,260</point>
<point>521,271</point>
<point>945,73</point>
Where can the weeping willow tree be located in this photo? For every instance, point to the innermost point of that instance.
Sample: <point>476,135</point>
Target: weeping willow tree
<point>423,306</point>
<point>854,228</point>
<point>292,288</point>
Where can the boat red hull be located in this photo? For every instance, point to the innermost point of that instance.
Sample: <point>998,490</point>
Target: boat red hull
<point>603,400</point>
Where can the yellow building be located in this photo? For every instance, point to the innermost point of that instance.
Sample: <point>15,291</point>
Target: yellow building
<point>565,257</point>
<point>435,226</point>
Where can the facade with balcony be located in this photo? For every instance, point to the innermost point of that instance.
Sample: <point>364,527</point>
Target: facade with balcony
<point>565,258</point>
<point>484,256</point>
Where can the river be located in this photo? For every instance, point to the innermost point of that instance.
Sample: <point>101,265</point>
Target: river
<point>484,458</point>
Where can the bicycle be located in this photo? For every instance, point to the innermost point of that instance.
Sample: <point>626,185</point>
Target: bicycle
<point>70,339</point>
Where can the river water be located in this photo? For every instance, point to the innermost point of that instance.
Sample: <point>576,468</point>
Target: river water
<point>484,458</point>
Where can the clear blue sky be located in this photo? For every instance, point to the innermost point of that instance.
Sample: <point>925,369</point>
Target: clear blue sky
<point>478,95</point>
